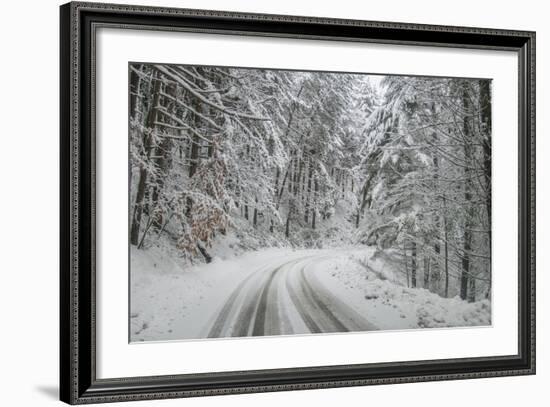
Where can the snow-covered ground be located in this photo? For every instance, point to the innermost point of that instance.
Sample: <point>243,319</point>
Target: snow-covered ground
<point>283,291</point>
<point>169,301</point>
<point>372,287</point>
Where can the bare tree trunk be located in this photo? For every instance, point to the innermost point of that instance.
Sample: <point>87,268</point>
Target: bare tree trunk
<point>162,160</point>
<point>298,176</point>
<point>465,264</point>
<point>276,189</point>
<point>467,237</point>
<point>314,215</point>
<point>426,271</point>
<point>292,172</point>
<point>308,192</point>
<point>285,178</point>
<point>255,216</point>
<point>303,181</point>
<point>134,92</point>
<point>138,207</point>
<point>413,264</point>
<point>193,163</point>
<point>142,181</point>
<point>363,203</point>
<point>246,199</point>
<point>436,267</point>
<point>287,226</point>
<point>446,245</point>
<point>472,290</point>
<point>486,120</point>
<point>406,264</point>
<point>202,250</point>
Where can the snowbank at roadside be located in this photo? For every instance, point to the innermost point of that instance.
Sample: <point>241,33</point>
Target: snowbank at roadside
<point>373,289</point>
<point>171,300</point>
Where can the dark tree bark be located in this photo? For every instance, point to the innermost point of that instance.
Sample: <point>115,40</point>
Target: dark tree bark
<point>134,92</point>
<point>426,271</point>
<point>255,216</point>
<point>472,290</point>
<point>308,192</point>
<point>292,176</point>
<point>446,246</point>
<point>202,250</point>
<point>405,261</point>
<point>464,276</point>
<point>161,158</point>
<point>285,178</point>
<point>314,214</point>
<point>467,237</point>
<point>194,154</point>
<point>363,203</point>
<point>138,207</point>
<point>298,176</point>
<point>193,163</point>
<point>486,121</point>
<point>413,265</point>
<point>436,266</point>
<point>142,180</point>
<point>287,226</point>
<point>276,189</point>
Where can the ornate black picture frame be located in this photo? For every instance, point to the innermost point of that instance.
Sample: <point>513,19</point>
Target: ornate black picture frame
<point>78,381</point>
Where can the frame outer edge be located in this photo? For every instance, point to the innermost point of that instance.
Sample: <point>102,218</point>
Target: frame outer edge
<point>70,352</point>
<point>174,11</point>
<point>64,136</point>
<point>70,202</point>
<point>533,191</point>
<point>75,198</point>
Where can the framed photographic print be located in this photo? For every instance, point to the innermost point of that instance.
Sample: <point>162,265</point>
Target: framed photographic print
<point>256,203</point>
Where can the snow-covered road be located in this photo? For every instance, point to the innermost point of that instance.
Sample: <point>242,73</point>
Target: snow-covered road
<point>282,291</point>
<point>285,297</point>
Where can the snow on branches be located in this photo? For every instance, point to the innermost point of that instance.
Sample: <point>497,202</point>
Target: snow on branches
<point>304,158</point>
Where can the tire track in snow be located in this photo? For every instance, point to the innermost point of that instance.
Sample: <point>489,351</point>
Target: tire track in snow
<point>261,313</point>
<point>342,311</point>
<point>246,313</point>
<point>242,316</point>
<point>302,311</point>
<point>262,324</point>
<point>330,321</point>
<point>261,310</point>
<point>217,327</point>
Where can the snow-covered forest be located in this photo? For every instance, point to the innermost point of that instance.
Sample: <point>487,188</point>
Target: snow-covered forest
<point>225,162</point>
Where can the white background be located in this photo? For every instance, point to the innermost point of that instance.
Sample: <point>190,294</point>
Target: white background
<point>29,204</point>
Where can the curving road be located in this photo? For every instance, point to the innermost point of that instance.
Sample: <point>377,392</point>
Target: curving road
<point>284,298</point>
